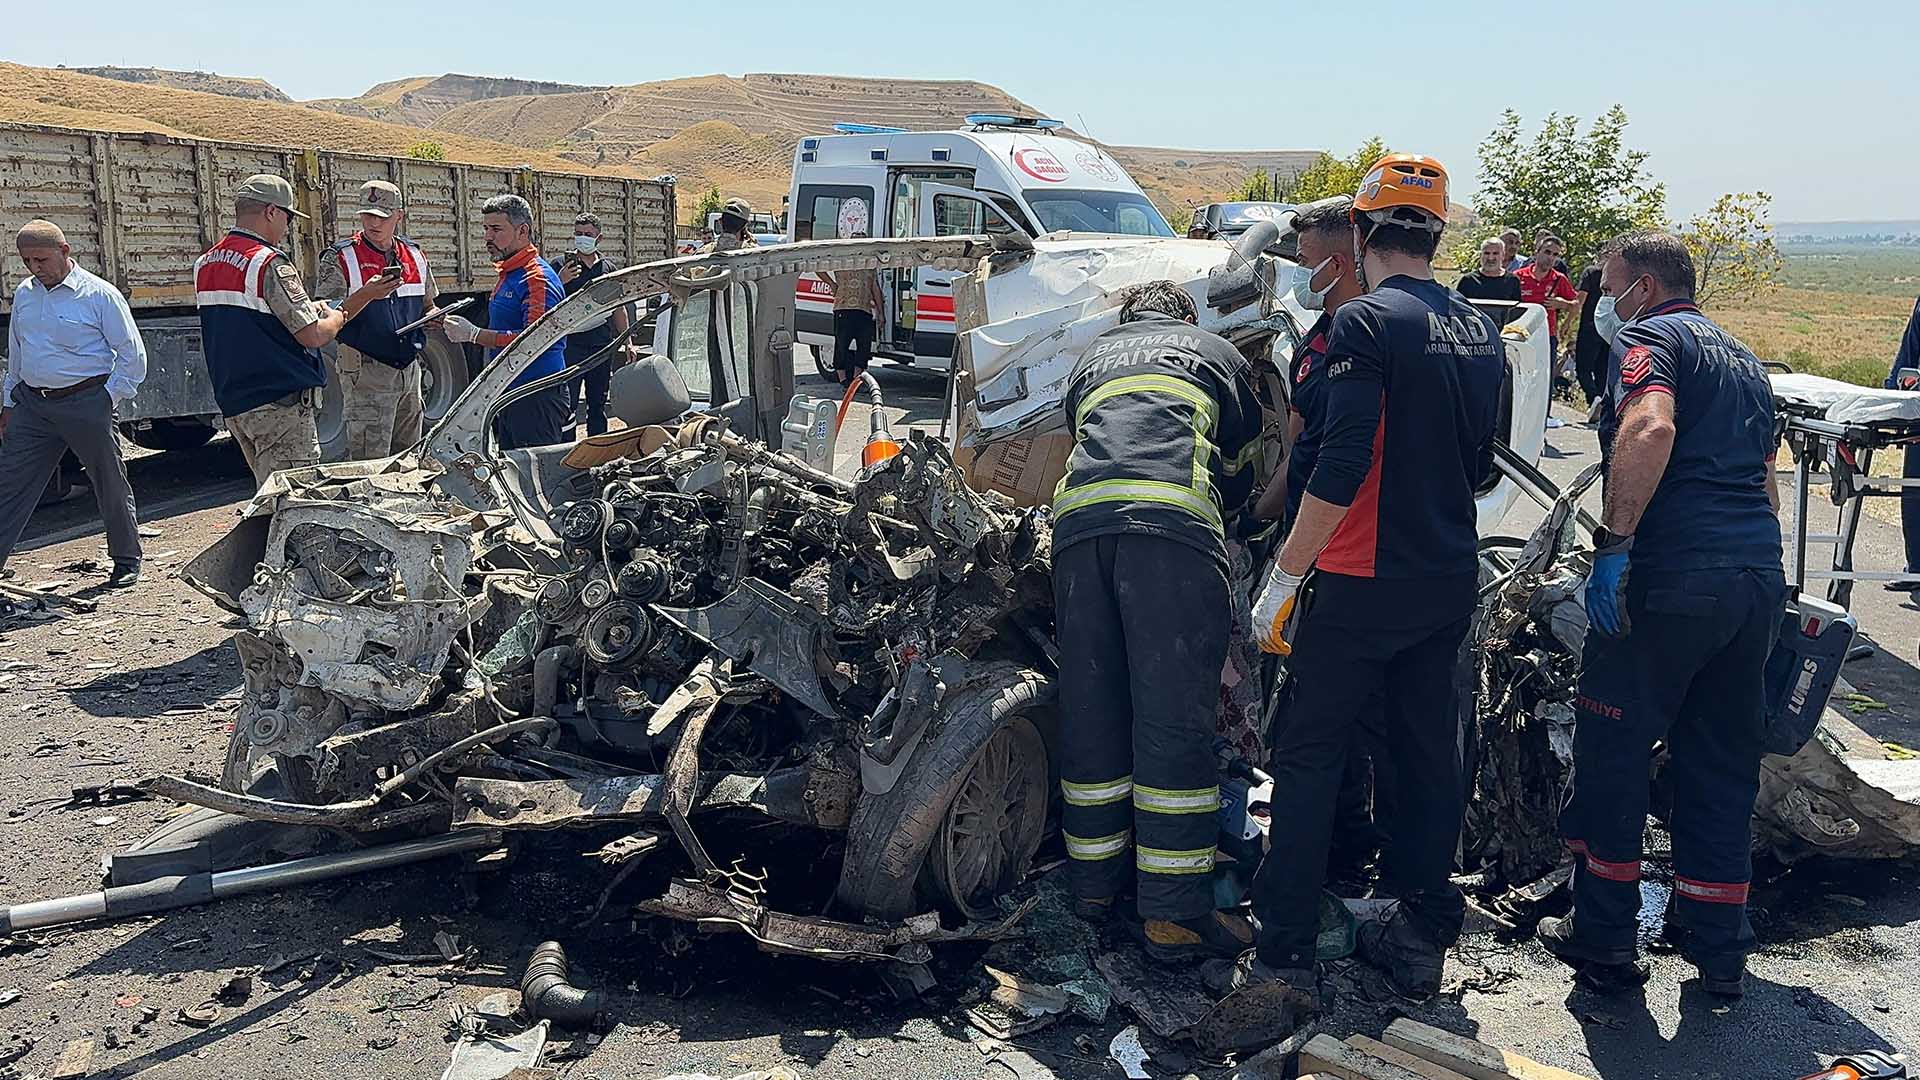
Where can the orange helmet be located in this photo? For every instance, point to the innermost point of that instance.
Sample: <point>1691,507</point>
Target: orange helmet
<point>1409,190</point>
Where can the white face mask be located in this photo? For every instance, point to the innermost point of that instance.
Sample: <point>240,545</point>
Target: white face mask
<point>1605,322</point>
<point>585,244</point>
<point>1305,294</point>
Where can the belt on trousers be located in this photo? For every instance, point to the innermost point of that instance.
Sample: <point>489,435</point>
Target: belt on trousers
<point>58,392</point>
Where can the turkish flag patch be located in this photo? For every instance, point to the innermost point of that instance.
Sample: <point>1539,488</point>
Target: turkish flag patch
<point>1636,365</point>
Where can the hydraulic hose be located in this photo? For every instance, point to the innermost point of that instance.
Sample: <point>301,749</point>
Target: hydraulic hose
<point>547,991</point>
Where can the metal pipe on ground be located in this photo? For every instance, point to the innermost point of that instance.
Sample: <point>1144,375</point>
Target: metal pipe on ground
<point>168,893</point>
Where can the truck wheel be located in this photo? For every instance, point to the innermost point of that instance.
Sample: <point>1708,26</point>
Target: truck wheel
<point>169,434</point>
<point>966,816</point>
<point>330,420</point>
<point>443,375</point>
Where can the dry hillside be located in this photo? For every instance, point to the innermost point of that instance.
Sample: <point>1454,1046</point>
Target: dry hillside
<point>736,134</point>
<point>1177,178</point>
<point>419,102</point>
<point>204,81</point>
<point>67,98</point>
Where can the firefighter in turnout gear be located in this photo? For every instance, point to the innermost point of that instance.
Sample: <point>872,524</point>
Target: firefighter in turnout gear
<point>1387,525</point>
<point>1683,604</point>
<point>1166,426</point>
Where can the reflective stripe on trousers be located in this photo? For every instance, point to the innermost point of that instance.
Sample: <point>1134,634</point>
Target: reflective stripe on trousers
<point>1094,849</point>
<point>1176,801</point>
<point>1160,861</point>
<point>1096,794</point>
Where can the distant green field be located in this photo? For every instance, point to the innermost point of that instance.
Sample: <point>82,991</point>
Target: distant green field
<point>1864,271</point>
<point>1839,311</point>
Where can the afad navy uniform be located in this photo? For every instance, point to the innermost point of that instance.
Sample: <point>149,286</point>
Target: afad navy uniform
<point>1166,427</point>
<point>1703,602</point>
<point>1357,838</point>
<point>1413,389</point>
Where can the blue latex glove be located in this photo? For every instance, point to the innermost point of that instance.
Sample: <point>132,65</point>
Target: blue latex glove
<point>1606,594</point>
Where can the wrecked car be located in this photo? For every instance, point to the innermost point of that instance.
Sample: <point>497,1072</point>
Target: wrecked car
<point>727,653</point>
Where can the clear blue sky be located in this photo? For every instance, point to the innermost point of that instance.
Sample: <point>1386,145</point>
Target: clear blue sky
<point>1818,103</point>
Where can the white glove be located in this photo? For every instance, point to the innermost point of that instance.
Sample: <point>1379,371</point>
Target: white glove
<point>458,330</point>
<point>1274,608</point>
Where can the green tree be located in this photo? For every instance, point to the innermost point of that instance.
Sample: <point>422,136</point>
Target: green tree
<point>1587,188</point>
<point>1331,176</point>
<point>1257,187</point>
<point>1179,218</point>
<point>427,150</point>
<point>709,202</point>
<point>1734,256</point>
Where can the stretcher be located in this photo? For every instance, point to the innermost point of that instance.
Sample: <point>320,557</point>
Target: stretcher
<point>1835,429</point>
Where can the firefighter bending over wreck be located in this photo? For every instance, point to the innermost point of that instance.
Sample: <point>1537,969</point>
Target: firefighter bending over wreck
<point>1165,426</point>
<point>1387,529</point>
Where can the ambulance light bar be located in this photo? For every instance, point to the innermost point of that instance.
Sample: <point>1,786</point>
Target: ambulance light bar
<point>866,129</point>
<point>1003,120</point>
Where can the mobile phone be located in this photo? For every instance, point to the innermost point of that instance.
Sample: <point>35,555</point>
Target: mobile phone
<point>1907,378</point>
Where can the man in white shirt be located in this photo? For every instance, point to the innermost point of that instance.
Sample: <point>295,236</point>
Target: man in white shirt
<point>73,354</point>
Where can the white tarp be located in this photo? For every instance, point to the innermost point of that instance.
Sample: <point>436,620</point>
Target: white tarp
<point>1845,403</point>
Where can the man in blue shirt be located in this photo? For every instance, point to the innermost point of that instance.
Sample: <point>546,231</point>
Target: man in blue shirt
<point>73,354</point>
<point>1683,602</point>
<point>1908,360</point>
<point>527,287</point>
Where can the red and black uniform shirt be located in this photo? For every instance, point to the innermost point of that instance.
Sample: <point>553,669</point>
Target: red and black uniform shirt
<point>1413,401</point>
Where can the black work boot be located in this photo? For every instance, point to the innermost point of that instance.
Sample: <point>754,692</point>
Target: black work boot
<point>1411,960</point>
<point>125,574</point>
<point>1723,978</point>
<point>1604,971</point>
<point>1184,941</point>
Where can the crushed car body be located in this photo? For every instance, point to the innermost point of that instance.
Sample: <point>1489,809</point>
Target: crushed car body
<point>813,708</point>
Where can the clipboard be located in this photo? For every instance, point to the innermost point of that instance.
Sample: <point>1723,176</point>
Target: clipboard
<point>432,315</point>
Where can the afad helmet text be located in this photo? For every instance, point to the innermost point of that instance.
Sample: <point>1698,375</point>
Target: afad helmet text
<point>1409,190</point>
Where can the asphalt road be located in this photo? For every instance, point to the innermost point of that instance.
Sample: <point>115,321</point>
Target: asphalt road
<point>142,686</point>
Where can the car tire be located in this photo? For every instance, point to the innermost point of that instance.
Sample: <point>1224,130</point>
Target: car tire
<point>444,373</point>
<point>889,838</point>
<point>822,361</point>
<point>172,434</point>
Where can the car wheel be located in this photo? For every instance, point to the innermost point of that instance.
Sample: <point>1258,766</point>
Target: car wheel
<point>330,419</point>
<point>967,813</point>
<point>443,375</point>
<point>822,360</point>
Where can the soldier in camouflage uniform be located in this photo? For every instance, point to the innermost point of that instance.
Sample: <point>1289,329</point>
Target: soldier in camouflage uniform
<point>379,370</point>
<point>735,217</point>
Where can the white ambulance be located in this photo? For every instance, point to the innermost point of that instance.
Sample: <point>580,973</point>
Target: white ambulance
<point>1000,173</point>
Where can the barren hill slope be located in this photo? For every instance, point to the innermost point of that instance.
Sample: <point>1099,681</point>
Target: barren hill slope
<point>733,133</point>
<point>418,102</point>
<point>204,81</point>
<point>68,98</point>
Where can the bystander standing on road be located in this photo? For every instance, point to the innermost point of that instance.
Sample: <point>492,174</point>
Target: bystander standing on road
<point>1490,281</point>
<point>1543,283</point>
<point>379,369</point>
<point>582,266</point>
<point>1906,376</point>
<point>73,356</point>
<point>1510,244</point>
<point>527,286</point>
<point>1684,601</point>
<point>856,311</point>
<point>261,334</point>
<point>1589,348</point>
